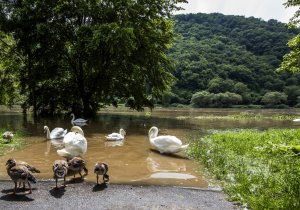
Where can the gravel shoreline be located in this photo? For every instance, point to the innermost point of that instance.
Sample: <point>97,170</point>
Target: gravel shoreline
<point>85,195</point>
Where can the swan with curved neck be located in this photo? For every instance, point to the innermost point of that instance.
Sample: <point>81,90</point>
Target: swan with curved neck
<point>56,133</point>
<point>165,143</point>
<point>116,136</point>
<point>78,121</point>
<point>75,144</point>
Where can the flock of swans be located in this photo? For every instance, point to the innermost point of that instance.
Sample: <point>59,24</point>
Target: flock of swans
<point>74,148</point>
<point>75,144</point>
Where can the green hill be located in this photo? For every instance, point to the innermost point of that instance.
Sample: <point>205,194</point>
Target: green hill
<point>233,59</point>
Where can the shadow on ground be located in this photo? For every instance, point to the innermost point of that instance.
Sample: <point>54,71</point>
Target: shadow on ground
<point>21,195</point>
<point>99,187</point>
<point>58,192</point>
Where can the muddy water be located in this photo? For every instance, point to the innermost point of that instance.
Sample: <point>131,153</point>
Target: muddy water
<point>132,160</point>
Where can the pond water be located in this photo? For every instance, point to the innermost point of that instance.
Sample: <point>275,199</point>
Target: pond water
<point>132,160</point>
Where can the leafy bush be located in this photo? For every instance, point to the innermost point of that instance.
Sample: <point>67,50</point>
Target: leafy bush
<point>206,99</point>
<point>274,98</point>
<point>201,99</point>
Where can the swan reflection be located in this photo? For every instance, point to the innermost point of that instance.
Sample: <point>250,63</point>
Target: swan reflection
<point>114,143</point>
<point>164,163</point>
<point>81,124</point>
<point>56,143</point>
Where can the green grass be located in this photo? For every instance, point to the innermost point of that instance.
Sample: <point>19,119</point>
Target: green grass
<point>249,115</point>
<point>242,116</point>
<point>258,169</point>
<point>15,144</point>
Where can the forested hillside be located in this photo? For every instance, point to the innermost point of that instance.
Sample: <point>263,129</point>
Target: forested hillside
<point>231,60</point>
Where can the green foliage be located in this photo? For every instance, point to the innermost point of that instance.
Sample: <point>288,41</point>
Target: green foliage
<point>291,60</point>
<point>218,53</point>
<point>248,116</point>
<point>82,54</point>
<point>293,92</point>
<point>9,82</point>
<point>206,99</point>
<point>274,98</point>
<point>218,85</point>
<point>260,169</point>
<point>201,99</point>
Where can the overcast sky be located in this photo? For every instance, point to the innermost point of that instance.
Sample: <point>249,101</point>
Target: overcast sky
<point>264,9</point>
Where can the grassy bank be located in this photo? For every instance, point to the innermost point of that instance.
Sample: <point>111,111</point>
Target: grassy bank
<point>243,116</point>
<point>259,169</point>
<point>15,144</point>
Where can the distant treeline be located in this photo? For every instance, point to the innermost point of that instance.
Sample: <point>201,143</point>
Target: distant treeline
<point>224,60</point>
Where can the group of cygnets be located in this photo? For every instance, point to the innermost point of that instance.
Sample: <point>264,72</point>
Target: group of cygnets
<point>22,172</point>
<point>75,146</point>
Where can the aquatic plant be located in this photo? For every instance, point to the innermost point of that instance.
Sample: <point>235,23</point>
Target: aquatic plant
<point>260,169</point>
<point>242,116</point>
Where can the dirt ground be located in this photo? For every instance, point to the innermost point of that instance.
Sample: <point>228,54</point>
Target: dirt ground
<point>84,195</point>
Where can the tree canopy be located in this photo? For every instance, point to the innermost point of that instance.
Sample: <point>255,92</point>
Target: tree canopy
<point>80,55</point>
<point>224,53</point>
<point>291,61</point>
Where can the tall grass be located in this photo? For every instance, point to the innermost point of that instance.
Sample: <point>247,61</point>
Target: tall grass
<point>260,169</point>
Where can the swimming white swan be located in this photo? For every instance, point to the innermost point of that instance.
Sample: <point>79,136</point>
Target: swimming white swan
<point>78,121</point>
<point>116,136</point>
<point>297,120</point>
<point>165,143</point>
<point>75,144</point>
<point>56,133</point>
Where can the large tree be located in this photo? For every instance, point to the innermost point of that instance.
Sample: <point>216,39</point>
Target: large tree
<point>9,62</point>
<point>82,54</point>
<point>291,61</point>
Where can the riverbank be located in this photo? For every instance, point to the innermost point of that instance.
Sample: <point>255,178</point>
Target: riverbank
<point>260,168</point>
<point>87,195</point>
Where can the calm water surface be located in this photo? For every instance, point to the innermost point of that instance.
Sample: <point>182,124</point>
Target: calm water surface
<point>132,160</point>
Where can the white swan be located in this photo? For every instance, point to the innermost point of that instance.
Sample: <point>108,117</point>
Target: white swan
<point>78,121</point>
<point>75,144</point>
<point>56,133</point>
<point>116,136</point>
<point>297,120</point>
<point>165,144</point>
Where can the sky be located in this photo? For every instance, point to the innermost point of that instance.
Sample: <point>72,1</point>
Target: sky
<point>264,9</point>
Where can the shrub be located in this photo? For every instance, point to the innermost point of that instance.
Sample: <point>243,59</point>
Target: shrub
<point>274,98</point>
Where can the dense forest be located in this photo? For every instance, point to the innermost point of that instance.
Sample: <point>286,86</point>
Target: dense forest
<point>80,62</point>
<point>224,60</point>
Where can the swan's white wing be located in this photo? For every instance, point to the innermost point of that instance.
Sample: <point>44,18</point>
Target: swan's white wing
<point>69,137</point>
<point>75,142</point>
<point>57,133</point>
<point>80,120</point>
<point>166,141</point>
<point>167,144</point>
<point>114,137</point>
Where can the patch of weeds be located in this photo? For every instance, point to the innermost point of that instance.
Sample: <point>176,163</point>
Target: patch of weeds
<point>260,169</point>
<point>246,116</point>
